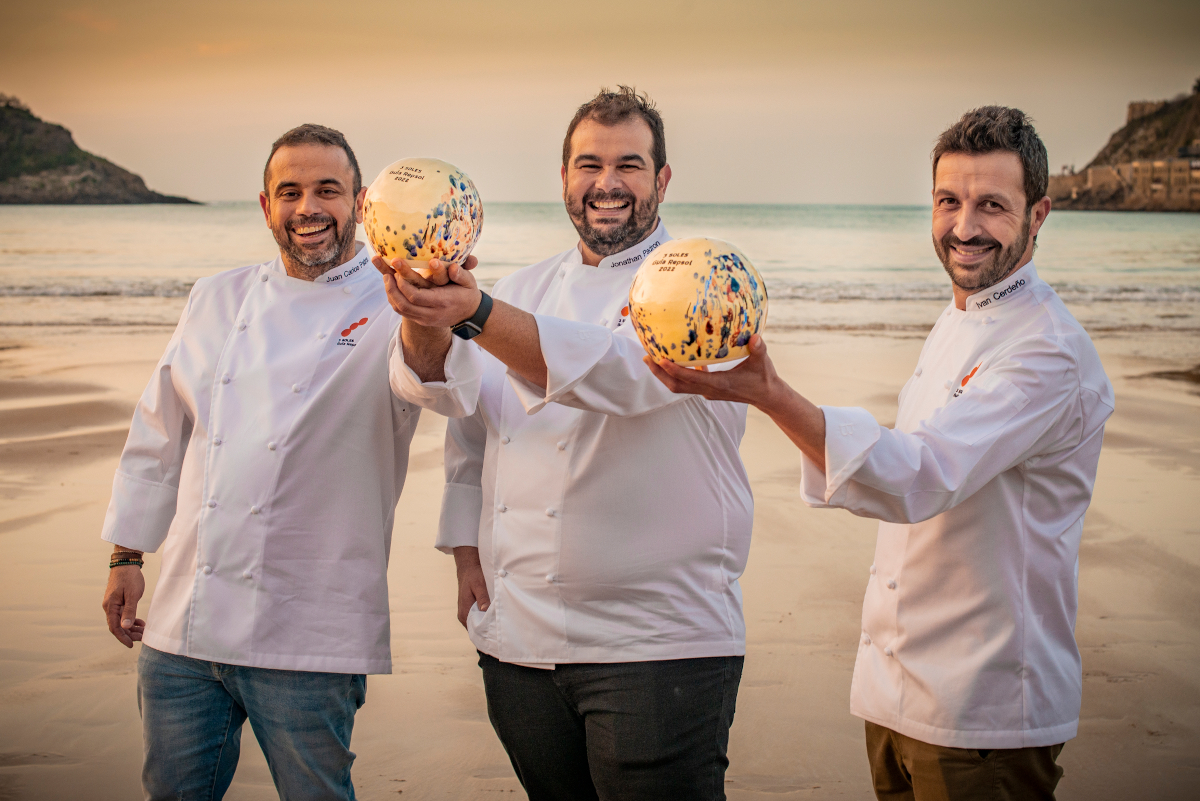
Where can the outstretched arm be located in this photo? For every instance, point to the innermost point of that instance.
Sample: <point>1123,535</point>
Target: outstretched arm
<point>511,335</point>
<point>754,382</point>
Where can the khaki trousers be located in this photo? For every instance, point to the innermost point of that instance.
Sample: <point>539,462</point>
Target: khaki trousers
<point>904,769</point>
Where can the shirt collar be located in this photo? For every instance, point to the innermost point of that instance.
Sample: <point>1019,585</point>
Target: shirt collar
<point>1019,283</point>
<point>346,273</point>
<point>352,270</point>
<point>630,257</point>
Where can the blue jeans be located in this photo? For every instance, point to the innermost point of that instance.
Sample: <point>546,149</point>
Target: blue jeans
<point>192,715</point>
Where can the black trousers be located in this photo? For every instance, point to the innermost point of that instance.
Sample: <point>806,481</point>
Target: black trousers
<point>617,732</point>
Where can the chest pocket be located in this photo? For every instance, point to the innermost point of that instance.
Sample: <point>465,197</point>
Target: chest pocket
<point>986,406</point>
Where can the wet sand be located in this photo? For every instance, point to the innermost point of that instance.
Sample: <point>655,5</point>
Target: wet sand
<point>70,720</point>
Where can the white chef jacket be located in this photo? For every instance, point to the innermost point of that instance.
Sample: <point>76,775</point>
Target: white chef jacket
<point>269,452</point>
<point>612,516</point>
<point>968,624</point>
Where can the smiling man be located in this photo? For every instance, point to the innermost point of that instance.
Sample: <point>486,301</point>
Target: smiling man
<point>266,455</point>
<point>598,521</point>
<point>967,675</point>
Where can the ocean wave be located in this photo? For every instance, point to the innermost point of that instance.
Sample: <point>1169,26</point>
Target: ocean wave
<point>843,291</point>
<point>778,288</point>
<point>124,288</point>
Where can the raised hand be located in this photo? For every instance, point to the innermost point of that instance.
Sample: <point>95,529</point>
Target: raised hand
<point>754,382</point>
<point>750,382</point>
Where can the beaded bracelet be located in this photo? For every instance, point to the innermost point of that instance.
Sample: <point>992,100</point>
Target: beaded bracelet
<point>120,559</point>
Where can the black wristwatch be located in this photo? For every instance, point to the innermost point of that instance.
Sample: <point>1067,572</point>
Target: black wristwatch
<point>473,325</point>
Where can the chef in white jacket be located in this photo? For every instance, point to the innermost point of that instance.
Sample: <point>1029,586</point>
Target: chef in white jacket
<point>968,675</point>
<point>599,521</point>
<point>266,457</point>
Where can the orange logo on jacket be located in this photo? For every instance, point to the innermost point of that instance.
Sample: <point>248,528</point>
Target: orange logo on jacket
<point>964,381</point>
<point>363,321</point>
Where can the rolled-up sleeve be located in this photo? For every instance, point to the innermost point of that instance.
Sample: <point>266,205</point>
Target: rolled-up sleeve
<point>457,396</point>
<point>1019,407</point>
<point>146,485</point>
<point>592,368</point>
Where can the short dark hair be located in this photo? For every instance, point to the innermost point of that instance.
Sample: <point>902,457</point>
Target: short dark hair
<point>310,134</point>
<point>992,128</point>
<point>613,108</point>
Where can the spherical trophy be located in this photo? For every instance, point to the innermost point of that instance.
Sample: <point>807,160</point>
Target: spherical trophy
<point>697,301</point>
<point>422,209</point>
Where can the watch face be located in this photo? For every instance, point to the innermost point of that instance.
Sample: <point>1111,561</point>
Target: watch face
<point>466,330</point>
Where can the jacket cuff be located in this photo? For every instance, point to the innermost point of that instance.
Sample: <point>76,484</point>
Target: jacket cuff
<point>139,514</point>
<point>850,433</point>
<point>458,526</point>
<point>570,349</point>
<point>454,397</point>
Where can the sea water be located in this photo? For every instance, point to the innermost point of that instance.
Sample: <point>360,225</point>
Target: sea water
<point>855,268</point>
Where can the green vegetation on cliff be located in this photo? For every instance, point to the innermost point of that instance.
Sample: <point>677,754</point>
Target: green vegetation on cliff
<point>40,163</point>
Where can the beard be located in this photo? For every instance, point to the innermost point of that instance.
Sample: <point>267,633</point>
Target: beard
<point>312,264</point>
<point>607,240</point>
<point>986,273</point>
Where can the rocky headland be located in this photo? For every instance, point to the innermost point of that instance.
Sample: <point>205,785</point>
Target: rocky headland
<point>41,164</point>
<point>1151,164</point>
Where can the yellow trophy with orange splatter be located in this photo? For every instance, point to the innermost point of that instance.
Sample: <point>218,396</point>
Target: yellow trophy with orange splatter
<point>697,301</point>
<point>419,209</point>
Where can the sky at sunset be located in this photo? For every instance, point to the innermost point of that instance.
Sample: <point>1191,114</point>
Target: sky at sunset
<point>790,102</point>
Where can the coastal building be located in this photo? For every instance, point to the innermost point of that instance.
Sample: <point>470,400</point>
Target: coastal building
<point>1151,164</point>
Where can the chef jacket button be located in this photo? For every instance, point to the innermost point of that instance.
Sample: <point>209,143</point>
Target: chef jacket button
<point>887,651</point>
<point>892,584</point>
<point>346,289</point>
<point>918,371</point>
<point>262,278</point>
<point>212,504</point>
<point>949,384</point>
<point>502,573</point>
<point>270,446</point>
<point>549,513</point>
<point>217,440</point>
<point>246,574</point>
<point>321,335</point>
<point>208,570</point>
<point>872,570</point>
<point>295,387</point>
<point>501,508</point>
<point>987,320</point>
<point>562,444</point>
<point>505,440</point>
<point>866,640</point>
<point>604,321</point>
<point>225,379</point>
<point>551,578</point>
<point>241,326</point>
<point>254,510</point>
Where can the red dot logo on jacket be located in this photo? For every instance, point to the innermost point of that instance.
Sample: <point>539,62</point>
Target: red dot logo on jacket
<point>363,321</point>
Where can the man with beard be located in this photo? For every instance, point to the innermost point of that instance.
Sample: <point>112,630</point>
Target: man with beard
<point>599,523</point>
<point>267,455</point>
<point>967,675</point>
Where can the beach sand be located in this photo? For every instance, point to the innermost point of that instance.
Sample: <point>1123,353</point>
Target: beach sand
<point>67,688</point>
